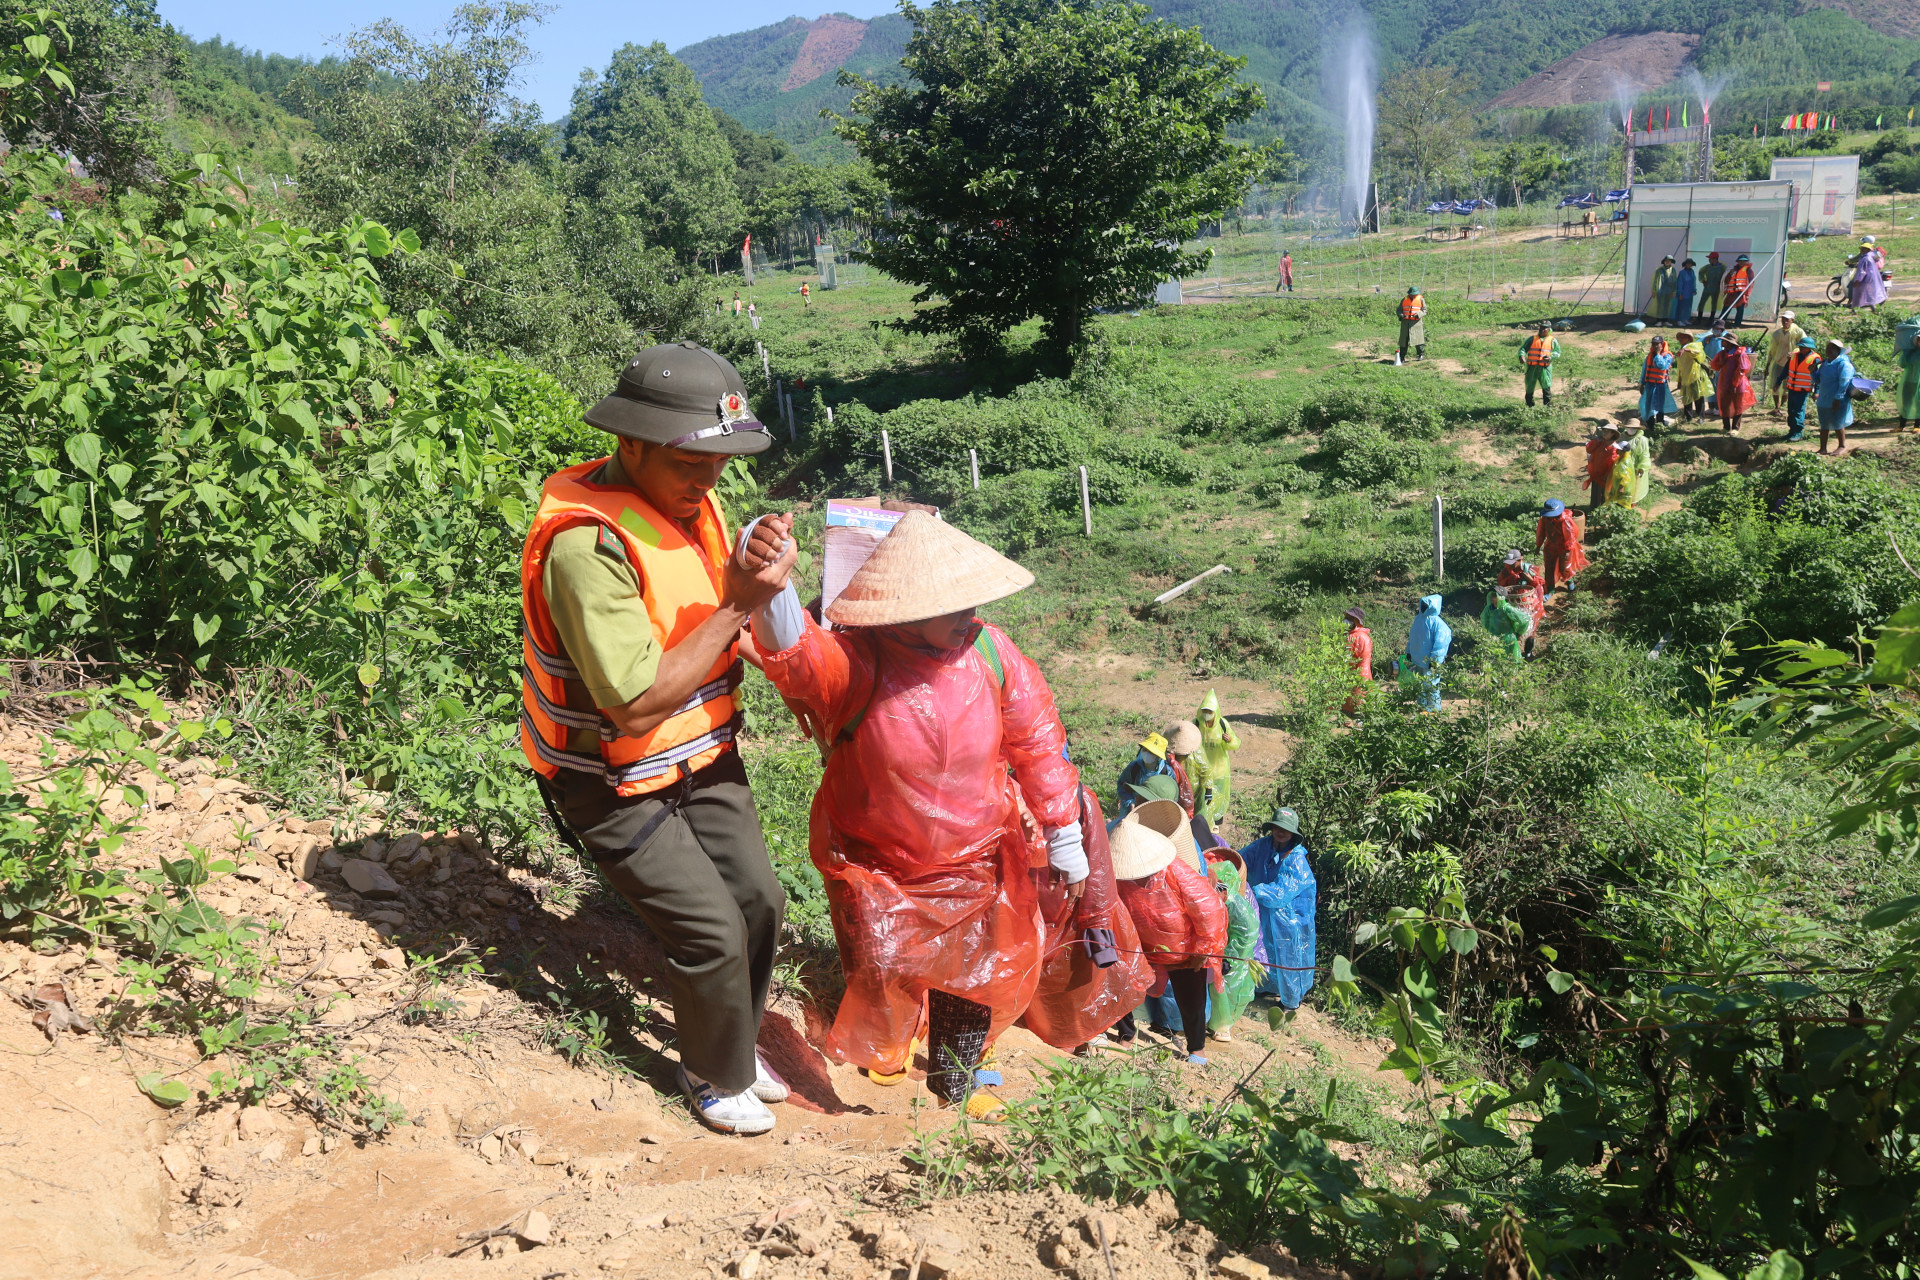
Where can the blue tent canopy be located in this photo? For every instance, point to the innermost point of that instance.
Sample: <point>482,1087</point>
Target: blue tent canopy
<point>1464,208</point>
<point>1614,197</point>
<point>1586,201</point>
<point>1438,206</point>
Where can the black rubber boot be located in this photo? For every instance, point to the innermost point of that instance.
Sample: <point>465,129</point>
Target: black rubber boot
<point>956,1037</point>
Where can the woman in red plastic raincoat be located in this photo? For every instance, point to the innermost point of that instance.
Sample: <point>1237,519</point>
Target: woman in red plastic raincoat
<point>1557,538</point>
<point>915,827</point>
<point>1181,919</point>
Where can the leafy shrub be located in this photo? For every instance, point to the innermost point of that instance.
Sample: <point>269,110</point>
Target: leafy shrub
<point>1484,501</point>
<point>1474,554</point>
<point>1360,456</point>
<point>1340,511</point>
<point>1611,520</point>
<point>1336,564</point>
<point>1281,479</point>
<point>1018,512</point>
<point>1540,424</point>
<point>1149,458</point>
<point>1400,414</point>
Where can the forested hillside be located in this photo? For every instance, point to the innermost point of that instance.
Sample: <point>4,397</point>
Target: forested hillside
<point>1289,47</point>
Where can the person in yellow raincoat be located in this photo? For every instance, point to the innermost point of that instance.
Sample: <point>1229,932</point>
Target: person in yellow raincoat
<point>1217,741</point>
<point>1692,384</point>
<point>1633,473</point>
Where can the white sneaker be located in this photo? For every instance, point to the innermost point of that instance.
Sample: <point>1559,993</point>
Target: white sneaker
<point>767,1084</point>
<point>740,1113</point>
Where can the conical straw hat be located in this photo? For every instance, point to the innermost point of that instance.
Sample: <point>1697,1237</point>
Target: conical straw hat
<point>1138,851</point>
<point>925,568</point>
<point>1171,821</point>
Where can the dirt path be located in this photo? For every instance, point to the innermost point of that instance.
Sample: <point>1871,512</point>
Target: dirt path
<point>96,1179</point>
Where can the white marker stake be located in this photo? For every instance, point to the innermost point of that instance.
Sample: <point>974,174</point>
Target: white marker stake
<point>886,453</point>
<point>1086,503</point>
<point>973,456</point>
<point>1439,543</point>
<point>829,415</point>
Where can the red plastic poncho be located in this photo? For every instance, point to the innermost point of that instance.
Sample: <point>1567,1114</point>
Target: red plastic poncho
<point>1077,1001</point>
<point>915,829</point>
<point>1731,384</point>
<point>1360,652</point>
<point>1601,455</point>
<point>1558,539</point>
<point>1180,918</point>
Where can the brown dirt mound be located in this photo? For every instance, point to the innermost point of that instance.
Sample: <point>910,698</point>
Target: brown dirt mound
<point>1590,74</point>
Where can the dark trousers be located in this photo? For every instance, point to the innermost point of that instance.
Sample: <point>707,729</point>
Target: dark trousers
<point>703,883</point>
<point>1708,304</point>
<point>1797,414</point>
<point>1189,988</point>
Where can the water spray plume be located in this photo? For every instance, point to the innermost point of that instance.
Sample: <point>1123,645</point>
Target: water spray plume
<point>1357,71</point>
<point>1705,91</point>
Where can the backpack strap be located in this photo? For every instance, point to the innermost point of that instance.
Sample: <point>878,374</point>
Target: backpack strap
<point>982,645</point>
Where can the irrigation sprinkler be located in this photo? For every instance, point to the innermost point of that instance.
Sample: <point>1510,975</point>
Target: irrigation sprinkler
<point>1086,504</point>
<point>973,459</point>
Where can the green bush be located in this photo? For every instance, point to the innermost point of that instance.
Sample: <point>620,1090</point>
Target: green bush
<point>1402,415</point>
<point>1283,478</point>
<point>1360,456</point>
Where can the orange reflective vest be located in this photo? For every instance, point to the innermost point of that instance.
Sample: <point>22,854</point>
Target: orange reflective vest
<point>1412,308</point>
<point>680,584</point>
<point>1800,371</point>
<point>1652,372</point>
<point>1738,285</point>
<point>1539,352</point>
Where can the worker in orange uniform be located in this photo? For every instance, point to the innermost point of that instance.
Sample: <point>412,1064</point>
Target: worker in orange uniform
<point>1413,325</point>
<point>1803,368</point>
<point>633,596</point>
<point>1738,288</point>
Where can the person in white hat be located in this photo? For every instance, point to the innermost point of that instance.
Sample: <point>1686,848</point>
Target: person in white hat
<point>915,828</point>
<point>1782,341</point>
<point>1180,917</point>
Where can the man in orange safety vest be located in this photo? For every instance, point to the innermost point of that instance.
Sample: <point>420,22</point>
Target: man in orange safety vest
<point>633,596</point>
<point>1413,325</point>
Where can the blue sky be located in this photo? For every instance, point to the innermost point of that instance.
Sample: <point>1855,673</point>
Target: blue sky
<point>575,35</point>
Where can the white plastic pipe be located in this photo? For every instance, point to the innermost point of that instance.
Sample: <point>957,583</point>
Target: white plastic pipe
<point>973,457</point>
<point>1190,584</point>
<point>1439,542</point>
<point>1086,504</point>
<point>886,453</point>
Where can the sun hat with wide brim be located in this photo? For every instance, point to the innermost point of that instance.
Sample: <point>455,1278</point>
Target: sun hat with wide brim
<point>1160,786</point>
<point>925,568</point>
<point>1171,821</point>
<point>1183,737</point>
<point>1138,851</point>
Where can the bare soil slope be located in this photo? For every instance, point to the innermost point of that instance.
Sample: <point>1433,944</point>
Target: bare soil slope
<point>1592,73</point>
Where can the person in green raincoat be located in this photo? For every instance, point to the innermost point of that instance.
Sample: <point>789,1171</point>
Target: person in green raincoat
<point>1666,283</point>
<point>1243,936</point>
<point>1217,740</point>
<point>1505,621</point>
<point>1909,358</point>
<point>1633,472</point>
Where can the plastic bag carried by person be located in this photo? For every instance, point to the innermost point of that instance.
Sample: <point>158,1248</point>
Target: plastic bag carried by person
<point>1287,906</point>
<point>1077,999</point>
<point>1243,937</point>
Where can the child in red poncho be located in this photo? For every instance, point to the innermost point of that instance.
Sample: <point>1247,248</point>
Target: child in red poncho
<point>915,827</point>
<point>1180,918</point>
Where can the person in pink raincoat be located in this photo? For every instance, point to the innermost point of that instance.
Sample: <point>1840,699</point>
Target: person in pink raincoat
<point>932,719</point>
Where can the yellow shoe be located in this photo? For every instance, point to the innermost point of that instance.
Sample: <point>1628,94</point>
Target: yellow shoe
<point>983,1106</point>
<point>880,1078</point>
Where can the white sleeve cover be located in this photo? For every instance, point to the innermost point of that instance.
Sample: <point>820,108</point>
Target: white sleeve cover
<point>1067,853</point>
<point>779,624</point>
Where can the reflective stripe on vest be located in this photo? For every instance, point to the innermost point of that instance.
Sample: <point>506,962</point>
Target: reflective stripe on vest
<point>1739,283</point>
<point>1653,373</point>
<point>1412,308</point>
<point>680,584</point>
<point>1800,372</point>
<point>1540,352</point>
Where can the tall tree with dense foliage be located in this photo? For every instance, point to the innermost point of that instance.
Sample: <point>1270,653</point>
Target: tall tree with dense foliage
<point>115,57</point>
<point>643,151</point>
<point>1047,159</point>
<point>1426,121</point>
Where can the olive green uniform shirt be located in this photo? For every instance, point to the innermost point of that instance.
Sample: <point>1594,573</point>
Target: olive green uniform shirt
<point>593,593</point>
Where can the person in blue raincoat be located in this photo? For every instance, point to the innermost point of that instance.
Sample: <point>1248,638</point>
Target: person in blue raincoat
<point>1427,645</point>
<point>1149,761</point>
<point>1685,285</point>
<point>1284,888</point>
<point>1833,394</point>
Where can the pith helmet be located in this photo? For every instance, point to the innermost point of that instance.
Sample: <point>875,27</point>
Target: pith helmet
<point>682,395</point>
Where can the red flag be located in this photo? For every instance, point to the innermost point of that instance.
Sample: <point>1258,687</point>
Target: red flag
<point>1649,119</point>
